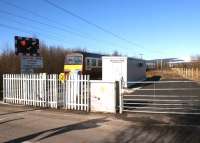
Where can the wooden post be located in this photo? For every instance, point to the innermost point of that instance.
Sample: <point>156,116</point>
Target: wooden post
<point>192,73</point>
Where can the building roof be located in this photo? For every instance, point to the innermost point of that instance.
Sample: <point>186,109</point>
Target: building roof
<point>124,57</point>
<point>88,54</point>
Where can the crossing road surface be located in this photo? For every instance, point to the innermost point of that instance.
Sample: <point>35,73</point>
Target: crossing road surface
<point>19,124</point>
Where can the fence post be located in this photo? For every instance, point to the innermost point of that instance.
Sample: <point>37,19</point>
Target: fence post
<point>195,73</point>
<point>88,93</point>
<point>4,88</point>
<point>120,97</point>
<point>192,72</point>
<point>56,91</point>
<point>186,73</point>
<point>44,78</point>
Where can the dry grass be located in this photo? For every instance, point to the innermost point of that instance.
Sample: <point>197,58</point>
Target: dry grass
<point>188,73</point>
<point>164,74</point>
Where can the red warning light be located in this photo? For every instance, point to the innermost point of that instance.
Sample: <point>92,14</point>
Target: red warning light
<point>26,45</point>
<point>23,43</point>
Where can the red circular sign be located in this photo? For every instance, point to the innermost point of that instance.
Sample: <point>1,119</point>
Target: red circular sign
<point>23,43</point>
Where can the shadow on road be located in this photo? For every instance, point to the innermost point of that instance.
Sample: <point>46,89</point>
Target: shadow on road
<point>159,134</point>
<point>156,128</point>
<point>164,119</point>
<point>93,123</point>
<point>193,120</point>
<point>10,120</point>
<point>21,111</point>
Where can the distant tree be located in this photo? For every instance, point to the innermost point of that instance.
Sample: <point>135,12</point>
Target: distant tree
<point>53,59</point>
<point>116,53</point>
<point>9,62</point>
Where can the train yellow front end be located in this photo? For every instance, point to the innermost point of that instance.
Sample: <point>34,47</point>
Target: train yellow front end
<point>73,64</point>
<point>73,68</point>
<point>82,63</point>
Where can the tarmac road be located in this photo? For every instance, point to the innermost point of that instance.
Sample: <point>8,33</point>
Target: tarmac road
<point>21,124</point>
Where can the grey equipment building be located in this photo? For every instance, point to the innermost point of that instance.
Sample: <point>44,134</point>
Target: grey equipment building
<point>114,68</point>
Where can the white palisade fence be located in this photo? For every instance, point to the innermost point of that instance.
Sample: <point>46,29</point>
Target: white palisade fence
<point>77,95</point>
<point>30,89</point>
<point>43,90</point>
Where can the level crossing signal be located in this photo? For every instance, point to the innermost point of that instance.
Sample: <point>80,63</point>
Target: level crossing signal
<point>26,45</point>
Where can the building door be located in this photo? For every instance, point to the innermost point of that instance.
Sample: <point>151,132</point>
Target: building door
<point>116,71</point>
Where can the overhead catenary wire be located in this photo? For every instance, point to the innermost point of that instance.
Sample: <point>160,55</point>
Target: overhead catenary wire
<point>51,35</point>
<point>37,14</point>
<point>38,28</point>
<point>39,22</point>
<point>61,28</point>
<point>46,24</point>
<point>93,24</point>
<point>56,22</point>
<point>98,26</point>
<point>26,31</point>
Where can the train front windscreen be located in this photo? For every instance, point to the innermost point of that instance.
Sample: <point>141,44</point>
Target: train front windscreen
<point>73,60</point>
<point>73,63</point>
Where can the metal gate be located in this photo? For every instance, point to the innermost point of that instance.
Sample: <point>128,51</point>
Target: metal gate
<point>169,97</point>
<point>76,93</point>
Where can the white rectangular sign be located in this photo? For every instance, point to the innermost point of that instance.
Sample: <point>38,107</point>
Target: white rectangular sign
<point>29,63</point>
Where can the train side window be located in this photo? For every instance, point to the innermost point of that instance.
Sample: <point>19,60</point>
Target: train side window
<point>99,63</point>
<point>94,62</point>
<point>88,62</point>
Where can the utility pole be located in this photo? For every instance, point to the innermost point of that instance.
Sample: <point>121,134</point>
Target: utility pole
<point>141,56</point>
<point>157,63</point>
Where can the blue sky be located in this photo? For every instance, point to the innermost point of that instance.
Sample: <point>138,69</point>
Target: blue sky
<point>162,28</point>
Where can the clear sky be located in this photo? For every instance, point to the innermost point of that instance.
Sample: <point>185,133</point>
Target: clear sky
<point>162,28</point>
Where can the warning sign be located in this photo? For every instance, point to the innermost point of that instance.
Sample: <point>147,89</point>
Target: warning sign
<point>29,63</point>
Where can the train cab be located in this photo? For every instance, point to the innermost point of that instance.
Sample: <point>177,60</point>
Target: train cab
<point>83,63</point>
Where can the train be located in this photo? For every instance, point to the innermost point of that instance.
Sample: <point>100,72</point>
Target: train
<point>83,63</point>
